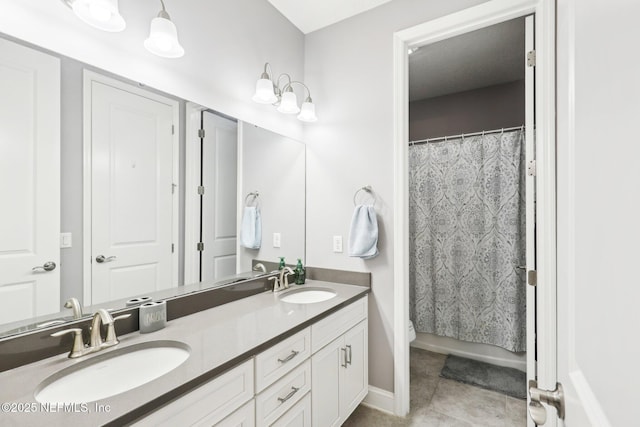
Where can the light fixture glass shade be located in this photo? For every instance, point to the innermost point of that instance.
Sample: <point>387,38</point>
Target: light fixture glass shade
<point>308,112</point>
<point>264,92</point>
<point>163,39</point>
<point>289,103</point>
<point>101,14</point>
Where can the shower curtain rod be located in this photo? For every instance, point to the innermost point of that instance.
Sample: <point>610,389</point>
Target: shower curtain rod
<point>462,135</point>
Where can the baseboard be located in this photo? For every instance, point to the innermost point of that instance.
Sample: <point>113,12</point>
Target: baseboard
<point>458,348</point>
<point>379,399</point>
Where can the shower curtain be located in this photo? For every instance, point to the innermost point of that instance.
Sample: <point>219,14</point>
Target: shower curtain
<point>467,238</point>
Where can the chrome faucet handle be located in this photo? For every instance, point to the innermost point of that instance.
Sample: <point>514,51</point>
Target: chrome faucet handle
<point>78,348</point>
<point>111,338</point>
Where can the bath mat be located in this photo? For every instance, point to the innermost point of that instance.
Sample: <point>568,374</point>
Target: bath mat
<point>509,381</point>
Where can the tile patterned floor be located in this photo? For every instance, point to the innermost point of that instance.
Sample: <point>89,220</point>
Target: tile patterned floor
<point>439,402</point>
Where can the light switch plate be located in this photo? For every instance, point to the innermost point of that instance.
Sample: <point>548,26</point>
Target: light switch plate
<point>65,240</point>
<point>276,240</point>
<point>337,243</point>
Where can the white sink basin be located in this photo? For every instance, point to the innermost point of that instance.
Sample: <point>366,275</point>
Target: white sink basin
<point>112,373</point>
<point>308,295</point>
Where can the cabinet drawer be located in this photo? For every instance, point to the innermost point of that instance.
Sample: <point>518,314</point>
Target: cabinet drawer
<point>243,417</point>
<point>331,327</point>
<point>272,403</point>
<point>298,416</point>
<point>209,403</point>
<point>280,359</point>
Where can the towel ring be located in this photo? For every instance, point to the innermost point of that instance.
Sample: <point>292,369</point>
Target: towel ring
<point>253,194</point>
<point>368,189</point>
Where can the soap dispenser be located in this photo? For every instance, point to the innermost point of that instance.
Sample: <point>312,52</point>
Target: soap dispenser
<point>282,264</point>
<point>301,274</point>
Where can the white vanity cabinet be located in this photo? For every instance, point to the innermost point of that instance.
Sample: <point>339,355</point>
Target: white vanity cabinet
<point>316,377</point>
<point>340,377</point>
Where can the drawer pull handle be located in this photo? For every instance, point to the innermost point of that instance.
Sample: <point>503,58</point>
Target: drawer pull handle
<point>289,357</point>
<point>348,354</point>
<point>293,391</point>
<point>344,354</point>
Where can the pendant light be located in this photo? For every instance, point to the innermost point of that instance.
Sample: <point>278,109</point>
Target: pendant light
<point>163,36</point>
<point>101,14</point>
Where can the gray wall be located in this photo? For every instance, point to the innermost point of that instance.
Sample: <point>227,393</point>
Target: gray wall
<point>349,67</point>
<point>487,108</point>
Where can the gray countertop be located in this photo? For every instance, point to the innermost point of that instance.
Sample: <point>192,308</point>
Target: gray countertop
<point>219,338</point>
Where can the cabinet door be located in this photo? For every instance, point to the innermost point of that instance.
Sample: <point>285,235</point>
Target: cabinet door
<point>325,384</point>
<point>243,417</point>
<point>354,383</point>
<point>297,416</point>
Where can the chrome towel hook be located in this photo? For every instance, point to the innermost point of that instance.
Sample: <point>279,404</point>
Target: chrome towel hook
<point>366,188</point>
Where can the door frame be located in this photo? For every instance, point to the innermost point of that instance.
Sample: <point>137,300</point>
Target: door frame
<point>483,15</point>
<point>88,77</point>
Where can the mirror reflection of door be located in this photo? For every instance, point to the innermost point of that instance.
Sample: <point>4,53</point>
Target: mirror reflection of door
<point>29,182</point>
<point>132,136</point>
<point>219,147</point>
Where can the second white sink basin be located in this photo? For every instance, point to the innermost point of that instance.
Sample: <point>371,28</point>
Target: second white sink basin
<point>308,295</point>
<point>112,373</point>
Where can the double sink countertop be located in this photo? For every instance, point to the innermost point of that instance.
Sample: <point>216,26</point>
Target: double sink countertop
<point>219,339</point>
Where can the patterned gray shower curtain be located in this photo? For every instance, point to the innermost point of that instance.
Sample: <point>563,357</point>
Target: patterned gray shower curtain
<point>467,238</point>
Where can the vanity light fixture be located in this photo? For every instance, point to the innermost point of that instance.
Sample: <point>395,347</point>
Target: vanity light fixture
<point>269,91</point>
<point>101,14</point>
<point>163,36</point>
<point>104,15</point>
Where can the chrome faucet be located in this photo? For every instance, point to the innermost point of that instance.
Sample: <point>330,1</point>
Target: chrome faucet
<point>260,267</point>
<point>75,306</point>
<point>281,283</point>
<point>101,317</point>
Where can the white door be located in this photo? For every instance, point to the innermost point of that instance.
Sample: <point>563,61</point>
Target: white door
<point>325,384</point>
<point>354,385</point>
<point>598,211</point>
<point>132,190</point>
<point>219,204</point>
<point>29,182</point>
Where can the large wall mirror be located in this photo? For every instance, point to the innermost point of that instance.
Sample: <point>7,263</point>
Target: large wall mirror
<point>112,190</point>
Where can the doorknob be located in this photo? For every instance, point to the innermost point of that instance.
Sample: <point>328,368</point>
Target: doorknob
<point>554,398</point>
<point>48,266</point>
<point>101,258</point>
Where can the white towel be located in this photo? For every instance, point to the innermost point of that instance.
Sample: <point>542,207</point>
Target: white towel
<point>363,236</point>
<point>251,231</point>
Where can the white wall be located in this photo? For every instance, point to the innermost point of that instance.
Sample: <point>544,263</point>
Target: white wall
<point>226,44</point>
<point>350,72</point>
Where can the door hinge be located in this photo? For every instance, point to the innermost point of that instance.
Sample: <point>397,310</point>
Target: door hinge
<point>173,130</point>
<point>531,58</point>
<point>538,396</point>
<point>200,246</point>
<point>531,168</point>
<point>200,133</point>
<point>172,248</point>
<point>200,190</point>
<point>173,188</point>
<point>532,277</point>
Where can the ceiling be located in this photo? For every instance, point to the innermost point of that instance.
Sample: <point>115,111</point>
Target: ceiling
<point>486,57</point>
<point>311,15</point>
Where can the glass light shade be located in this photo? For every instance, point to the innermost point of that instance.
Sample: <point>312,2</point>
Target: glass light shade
<point>264,92</point>
<point>308,112</point>
<point>289,103</point>
<point>101,14</point>
<point>163,39</point>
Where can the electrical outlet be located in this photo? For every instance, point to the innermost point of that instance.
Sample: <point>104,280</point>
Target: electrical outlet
<point>337,243</point>
<point>276,240</point>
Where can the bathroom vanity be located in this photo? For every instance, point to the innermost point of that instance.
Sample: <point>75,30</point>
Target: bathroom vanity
<point>255,361</point>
